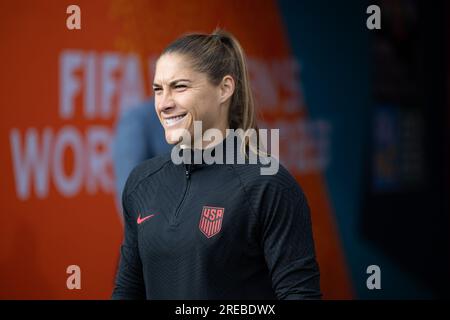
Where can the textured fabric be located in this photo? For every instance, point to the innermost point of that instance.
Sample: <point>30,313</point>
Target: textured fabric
<point>262,249</point>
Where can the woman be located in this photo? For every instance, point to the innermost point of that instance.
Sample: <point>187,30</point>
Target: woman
<point>212,231</point>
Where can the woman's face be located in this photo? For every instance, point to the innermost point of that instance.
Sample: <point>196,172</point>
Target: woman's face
<point>183,95</point>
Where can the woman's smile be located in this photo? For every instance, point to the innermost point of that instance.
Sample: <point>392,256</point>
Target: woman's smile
<point>174,120</point>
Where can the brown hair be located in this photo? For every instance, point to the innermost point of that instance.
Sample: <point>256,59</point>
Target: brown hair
<point>217,55</point>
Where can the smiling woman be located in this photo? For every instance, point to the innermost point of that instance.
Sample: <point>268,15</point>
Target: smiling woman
<point>183,95</point>
<point>217,231</point>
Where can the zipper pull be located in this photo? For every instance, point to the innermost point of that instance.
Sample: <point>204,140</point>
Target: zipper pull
<point>188,171</point>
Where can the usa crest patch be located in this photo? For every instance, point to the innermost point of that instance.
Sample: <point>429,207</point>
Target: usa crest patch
<point>211,220</point>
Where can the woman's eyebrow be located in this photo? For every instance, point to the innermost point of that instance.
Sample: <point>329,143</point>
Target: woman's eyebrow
<point>172,83</point>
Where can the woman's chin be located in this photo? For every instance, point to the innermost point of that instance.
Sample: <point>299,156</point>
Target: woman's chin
<point>171,138</point>
<point>175,135</point>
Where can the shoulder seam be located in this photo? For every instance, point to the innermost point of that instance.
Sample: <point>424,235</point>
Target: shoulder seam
<point>246,193</point>
<point>293,187</point>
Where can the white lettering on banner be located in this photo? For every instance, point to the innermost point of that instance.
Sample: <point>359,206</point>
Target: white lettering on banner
<point>100,86</point>
<point>69,84</point>
<point>30,161</point>
<point>98,146</point>
<point>120,87</point>
<point>276,84</point>
<point>132,84</point>
<point>90,85</point>
<point>40,159</point>
<point>68,185</point>
<point>263,85</point>
<point>109,85</point>
<point>304,144</point>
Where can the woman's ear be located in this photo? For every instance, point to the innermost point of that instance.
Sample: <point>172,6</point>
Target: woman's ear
<point>226,88</point>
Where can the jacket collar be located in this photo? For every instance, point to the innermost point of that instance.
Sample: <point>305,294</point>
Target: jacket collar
<point>218,154</point>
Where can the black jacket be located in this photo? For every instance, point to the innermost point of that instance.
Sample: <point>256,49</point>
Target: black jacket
<point>218,231</point>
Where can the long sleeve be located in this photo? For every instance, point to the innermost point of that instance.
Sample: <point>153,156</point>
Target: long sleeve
<point>289,246</point>
<point>129,278</point>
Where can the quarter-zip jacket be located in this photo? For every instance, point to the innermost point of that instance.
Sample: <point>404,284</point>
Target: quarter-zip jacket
<point>218,231</point>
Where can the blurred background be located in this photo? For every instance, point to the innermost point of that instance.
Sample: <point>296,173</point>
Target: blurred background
<point>363,119</point>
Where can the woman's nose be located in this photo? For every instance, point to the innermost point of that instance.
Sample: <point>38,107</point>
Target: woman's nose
<point>165,103</point>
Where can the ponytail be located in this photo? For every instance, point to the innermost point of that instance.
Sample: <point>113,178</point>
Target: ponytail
<point>217,55</point>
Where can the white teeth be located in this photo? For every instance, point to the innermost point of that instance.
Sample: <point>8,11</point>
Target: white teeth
<point>174,120</point>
